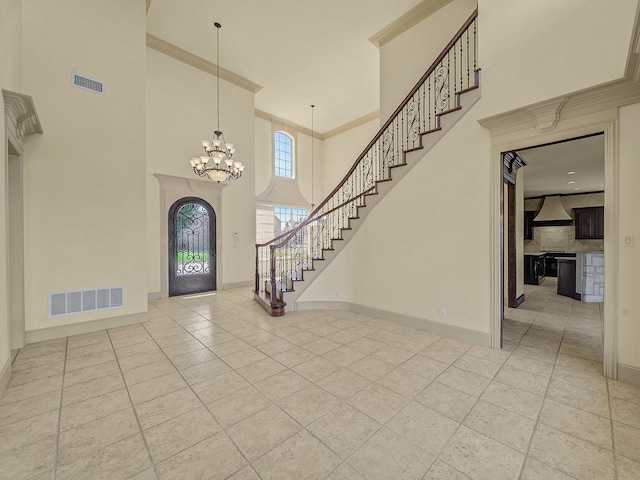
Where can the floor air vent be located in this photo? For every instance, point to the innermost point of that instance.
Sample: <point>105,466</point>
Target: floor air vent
<point>88,83</point>
<point>80,301</point>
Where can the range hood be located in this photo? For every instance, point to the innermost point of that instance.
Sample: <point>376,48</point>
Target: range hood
<point>553,211</point>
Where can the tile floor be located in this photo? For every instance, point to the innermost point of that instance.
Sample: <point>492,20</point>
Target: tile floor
<point>211,387</point>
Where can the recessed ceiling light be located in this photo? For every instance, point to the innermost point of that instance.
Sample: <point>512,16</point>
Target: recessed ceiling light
<point>571,173</point>
<point>576,188</point>
<point>571,183</point>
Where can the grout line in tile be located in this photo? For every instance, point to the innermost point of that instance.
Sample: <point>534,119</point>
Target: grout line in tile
<point>64,372</point>
<point>223,429</point>
<point>135,413</point>
<point>613,437</point>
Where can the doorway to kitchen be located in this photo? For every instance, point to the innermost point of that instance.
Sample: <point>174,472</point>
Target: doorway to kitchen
<point>553,247</point>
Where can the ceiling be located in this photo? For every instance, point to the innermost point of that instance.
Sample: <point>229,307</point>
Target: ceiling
<point>301,52</point>
<point>547,167</point>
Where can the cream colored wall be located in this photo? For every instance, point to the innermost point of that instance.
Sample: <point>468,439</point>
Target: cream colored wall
<point>84,177</point>
<point>340,153</point>
<point>263,154</point>
<point>302,141</point>
<point>628,280</point>
<point>181,111</point>
<point>534,51</point>
<point>10,44</point>
<point>412,255</point>
<point>428,244</point>
<point>406,58</point>
<point>10,34</point>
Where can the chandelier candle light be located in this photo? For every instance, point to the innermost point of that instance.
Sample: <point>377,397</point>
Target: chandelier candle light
<point>217,164</point>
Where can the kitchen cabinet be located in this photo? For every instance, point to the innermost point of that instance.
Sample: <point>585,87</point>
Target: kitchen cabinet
<point>589,223</point>
<point>528,224</point>
<point>534,268</point>
<point>567,278</point>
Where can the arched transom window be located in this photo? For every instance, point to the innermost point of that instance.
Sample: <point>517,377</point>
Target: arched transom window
<point>283,155</point>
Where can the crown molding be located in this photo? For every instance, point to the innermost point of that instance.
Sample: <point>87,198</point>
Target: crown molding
<point>294,126</point>
<point>406,21</point>
<point>353,124</point>
<point>200,63</point>
<point>320,136</point>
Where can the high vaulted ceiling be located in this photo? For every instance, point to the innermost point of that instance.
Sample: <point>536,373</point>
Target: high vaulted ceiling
<point>301,52</point>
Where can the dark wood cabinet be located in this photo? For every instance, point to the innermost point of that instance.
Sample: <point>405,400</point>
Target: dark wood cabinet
<point>528,225</point>
<point>567,278</point>
<point>589,223</point>
<point>534,271</point>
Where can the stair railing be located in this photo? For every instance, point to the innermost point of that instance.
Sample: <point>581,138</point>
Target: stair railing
<point>282,261</point>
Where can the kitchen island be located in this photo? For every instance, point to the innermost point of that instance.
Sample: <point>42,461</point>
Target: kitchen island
<point>590,276</point>
<point>567,281</point>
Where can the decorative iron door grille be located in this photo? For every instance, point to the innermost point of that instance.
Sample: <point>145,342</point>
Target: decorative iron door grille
<point>192,238</point>
<point>191,247</point>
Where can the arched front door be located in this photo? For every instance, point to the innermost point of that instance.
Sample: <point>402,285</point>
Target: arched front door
<point>192,247</point>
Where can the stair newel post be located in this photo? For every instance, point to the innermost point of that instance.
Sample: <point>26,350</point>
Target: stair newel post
<point>272,275</point>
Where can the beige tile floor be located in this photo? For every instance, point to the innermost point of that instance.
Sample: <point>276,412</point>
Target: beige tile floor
<point>211,387</point>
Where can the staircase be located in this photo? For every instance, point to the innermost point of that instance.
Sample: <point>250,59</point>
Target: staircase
<point>289,262</point>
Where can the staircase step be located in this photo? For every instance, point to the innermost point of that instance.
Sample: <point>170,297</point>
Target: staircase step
<point>276,310</point>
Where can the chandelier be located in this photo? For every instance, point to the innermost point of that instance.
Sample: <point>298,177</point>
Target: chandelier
<point>217,164</point>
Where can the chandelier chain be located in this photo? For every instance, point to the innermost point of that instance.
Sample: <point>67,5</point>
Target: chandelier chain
<point>218,70</point>
<point>217,164</point>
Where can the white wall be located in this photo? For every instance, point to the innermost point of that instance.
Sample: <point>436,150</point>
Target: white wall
<point>628,279</point>
<point>84,177</point>
<point>180,112</point>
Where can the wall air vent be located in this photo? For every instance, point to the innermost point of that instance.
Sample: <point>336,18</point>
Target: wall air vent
<point>87,83</point>
<point>81,301</point>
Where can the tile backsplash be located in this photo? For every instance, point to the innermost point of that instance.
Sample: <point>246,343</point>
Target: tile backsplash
<point>560,239</point>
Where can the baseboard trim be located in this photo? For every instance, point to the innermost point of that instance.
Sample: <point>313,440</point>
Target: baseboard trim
<point>5,376</point>
<point>453,331</point>
<point>629,374</point>
<point>247,283</point>
<point>60,331</point>
<point>519,300</point>
<point>343,306</point>
<point>153,296</point>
